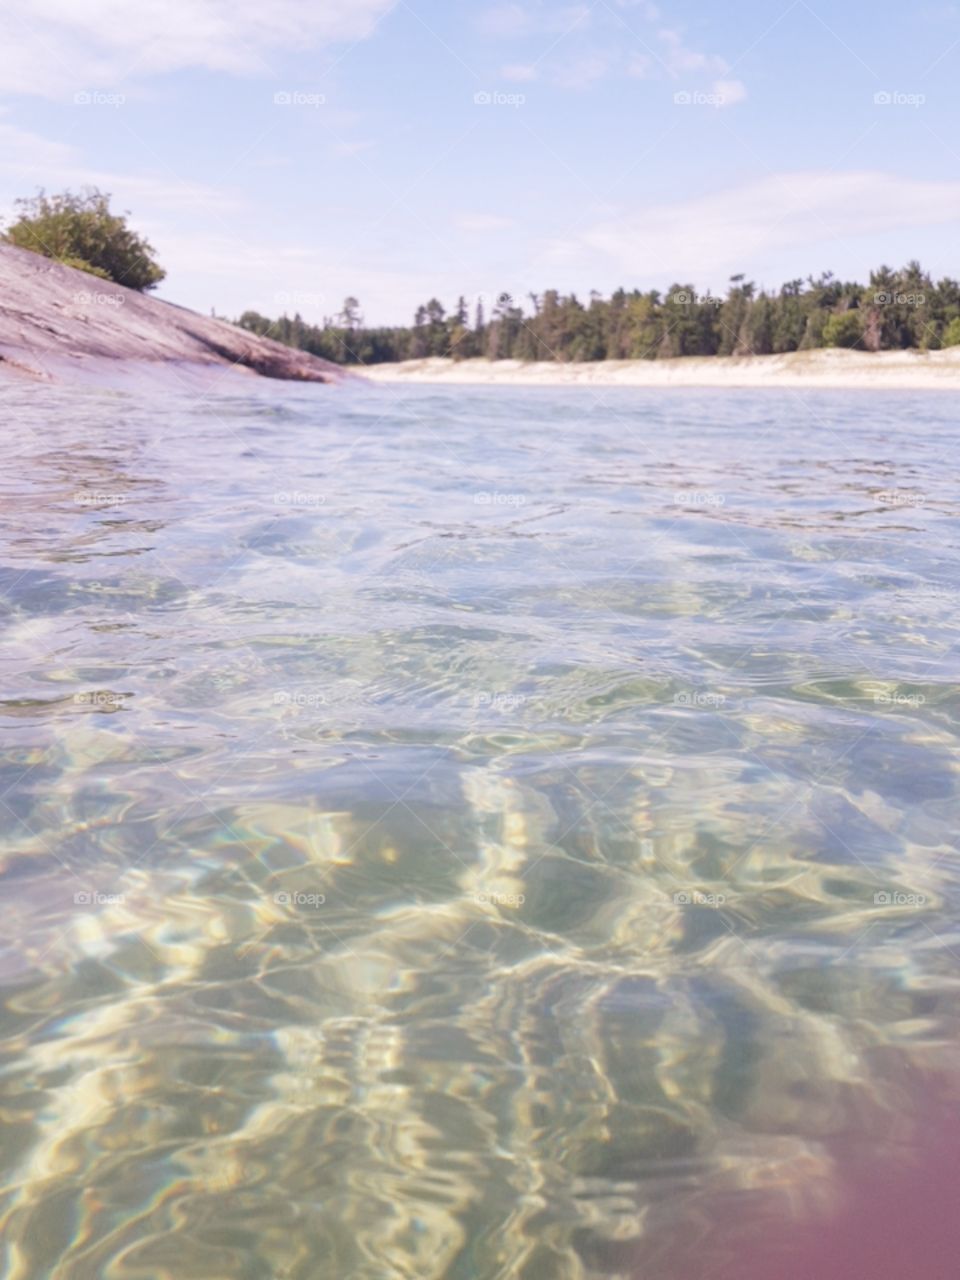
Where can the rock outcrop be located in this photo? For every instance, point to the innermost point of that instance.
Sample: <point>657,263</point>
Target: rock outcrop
<point>59,324</point>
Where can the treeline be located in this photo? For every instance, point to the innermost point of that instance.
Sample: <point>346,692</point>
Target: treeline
<point>896,310</point>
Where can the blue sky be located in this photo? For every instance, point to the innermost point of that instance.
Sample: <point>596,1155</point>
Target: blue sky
<point>283,155</point>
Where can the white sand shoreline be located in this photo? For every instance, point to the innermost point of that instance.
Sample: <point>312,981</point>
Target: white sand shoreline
<point>831,368</point>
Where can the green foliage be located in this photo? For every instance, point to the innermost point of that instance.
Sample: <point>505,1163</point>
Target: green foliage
<point>843,329</point>
<point>79,264</point>
<point>898,309</point>
<point>80,231</point>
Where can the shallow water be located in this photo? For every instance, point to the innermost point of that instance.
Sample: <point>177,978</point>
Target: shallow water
<point>470,834</point>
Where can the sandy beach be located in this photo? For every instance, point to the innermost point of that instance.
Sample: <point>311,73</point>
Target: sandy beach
<point>833,368</point>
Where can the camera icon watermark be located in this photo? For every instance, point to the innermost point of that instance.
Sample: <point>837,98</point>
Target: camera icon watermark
<point>699,699</point>
<point>900,498</point>
<point>894,898</point>
<point>297,98</point>
<point>503,299</point>
<point>512,900</point>
<point>895,98</point>
<point>698,498</point>
<point>894,298</point>
<point>86,299</point>
<point>94,499</point>
<point>694,898</point>
<point>96,98</point>
<point>297,898</point>
<point>912,700</point>
<point>497,499</point>
<point>287,298</point>
<point>496,98</point>
<point>686,298</point>
<point>298,498</point>
<point>298,698</point>
<point>500,701</point>
<point>101,699</point>
<point>697,98</point>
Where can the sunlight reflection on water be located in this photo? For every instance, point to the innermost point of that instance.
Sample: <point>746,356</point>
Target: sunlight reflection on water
<point>467,835</point>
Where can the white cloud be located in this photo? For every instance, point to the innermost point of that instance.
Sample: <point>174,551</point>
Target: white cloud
<point>678,56</point>
<point>706,238</point>
<point>201,251</point>
<point>638,44</point>
<point>27,160</point>
<point>21,150</point>
<point>584,71</point>
<point>519,72</point>
<point>729,92</point>
<point>53,47</point>
<point>505,20</point>
<point>511,20</point>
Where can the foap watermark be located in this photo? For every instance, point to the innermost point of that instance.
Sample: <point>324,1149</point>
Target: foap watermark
<point>300,899</point>
<point>696,698</point>
<point>288,298</point>
<point>894,298</point>
<point>97,499</point>
<point>900,498</point>
<point>97,98</point>
<point>497,499</point>
<point>896,898</point>
<point>497,98</point>
<point>87,299</point>
<point>500,701</point>
<point>896,98</point>
<point>298,698</point>
<point>500,899</point>
<point>100,699</point>
<point>698,498</point>
<point>298,498</point>
<point>298,98</point>
<point>694,898</point>
<point>686,298</point>
<point>505,300</point>
<point>896,699</point>
<point>93,898</point>
<point>697,98</point>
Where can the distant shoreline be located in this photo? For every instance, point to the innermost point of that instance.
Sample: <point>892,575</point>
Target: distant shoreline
<point>834,368</point>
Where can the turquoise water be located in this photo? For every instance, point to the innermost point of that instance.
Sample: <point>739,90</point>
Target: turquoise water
<point>467,835</point>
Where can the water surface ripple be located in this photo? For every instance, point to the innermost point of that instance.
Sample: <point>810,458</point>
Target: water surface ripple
<point>468,835</point>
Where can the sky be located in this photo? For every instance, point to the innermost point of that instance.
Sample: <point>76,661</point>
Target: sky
<point>283,155</point>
